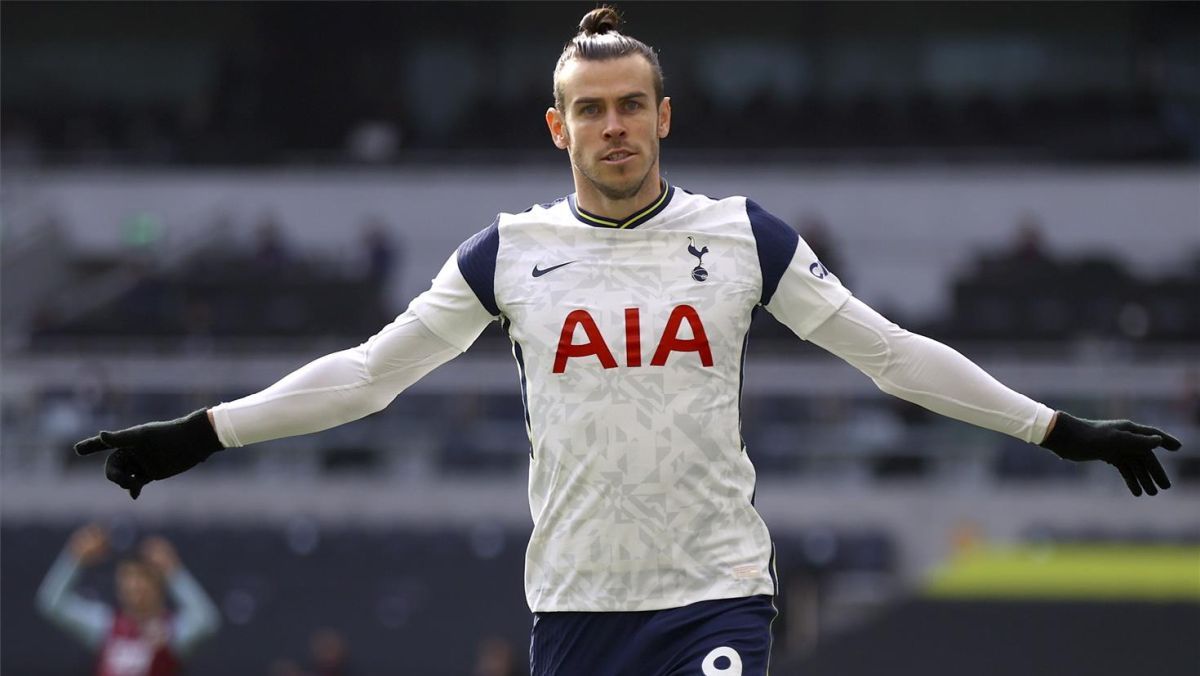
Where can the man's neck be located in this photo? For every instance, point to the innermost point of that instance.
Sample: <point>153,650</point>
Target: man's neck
<point>591,200</point>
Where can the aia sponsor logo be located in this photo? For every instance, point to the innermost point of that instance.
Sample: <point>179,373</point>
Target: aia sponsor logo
<point>594,345</point>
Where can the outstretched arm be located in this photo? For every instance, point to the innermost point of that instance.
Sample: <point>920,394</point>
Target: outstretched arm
<point>932,375</point>
<point>439,325</point>
<point>800,292</point>
<point>335,389</point>
<point>928,373</point>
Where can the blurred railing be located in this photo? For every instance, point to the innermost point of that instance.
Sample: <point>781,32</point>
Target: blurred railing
<point>809,417</point>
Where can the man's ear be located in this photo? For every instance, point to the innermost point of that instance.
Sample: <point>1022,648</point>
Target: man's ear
<point>664,117</point>
<point>558,127</point>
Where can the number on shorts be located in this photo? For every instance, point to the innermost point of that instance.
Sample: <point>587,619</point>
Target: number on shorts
<point>710,662</point>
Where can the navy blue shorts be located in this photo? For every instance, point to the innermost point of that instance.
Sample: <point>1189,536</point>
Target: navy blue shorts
<point>728,637</point>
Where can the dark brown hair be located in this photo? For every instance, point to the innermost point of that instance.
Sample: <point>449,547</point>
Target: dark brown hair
<point>599,40</point>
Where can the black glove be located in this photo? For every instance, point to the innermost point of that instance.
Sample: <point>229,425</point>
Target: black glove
<point>1123,444</point>
<point>155,450</point>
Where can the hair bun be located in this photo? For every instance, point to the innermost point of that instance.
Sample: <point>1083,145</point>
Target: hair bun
<point>600,21</point>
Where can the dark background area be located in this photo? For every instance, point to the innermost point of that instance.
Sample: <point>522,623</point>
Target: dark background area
<point>235,83</point>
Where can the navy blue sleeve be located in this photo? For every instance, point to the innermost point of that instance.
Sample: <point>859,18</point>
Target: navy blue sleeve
<point>477,263</point>
<point>776,242</point>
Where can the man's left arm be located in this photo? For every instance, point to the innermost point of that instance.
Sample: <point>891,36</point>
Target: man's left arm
<point>932,375</point>
<point>800,292</point>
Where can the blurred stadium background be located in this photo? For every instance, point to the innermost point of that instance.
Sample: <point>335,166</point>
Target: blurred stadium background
<point>199,197</point>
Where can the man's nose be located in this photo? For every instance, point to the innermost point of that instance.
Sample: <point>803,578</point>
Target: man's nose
<point>613,128</point>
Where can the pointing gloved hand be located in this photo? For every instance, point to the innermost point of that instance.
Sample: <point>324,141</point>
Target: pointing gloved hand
<point>1125,445</point>
<point>155,450</point>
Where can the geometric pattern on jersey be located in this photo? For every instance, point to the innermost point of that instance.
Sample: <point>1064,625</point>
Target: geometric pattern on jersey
<point>630,338</point>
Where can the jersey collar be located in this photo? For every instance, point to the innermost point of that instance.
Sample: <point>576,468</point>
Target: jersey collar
<point>630,222</point>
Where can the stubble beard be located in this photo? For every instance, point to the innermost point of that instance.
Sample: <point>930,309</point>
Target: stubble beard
<point>609,190</point>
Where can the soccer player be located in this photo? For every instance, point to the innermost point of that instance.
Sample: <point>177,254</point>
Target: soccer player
<point>627,303</point>
<point>140,637</point>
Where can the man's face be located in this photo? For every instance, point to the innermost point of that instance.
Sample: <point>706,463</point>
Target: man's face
<point>610,123</point>
<point>138,589</point>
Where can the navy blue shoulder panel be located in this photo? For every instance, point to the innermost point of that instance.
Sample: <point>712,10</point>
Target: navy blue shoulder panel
<point>776,242</point>
<point>477,263</point>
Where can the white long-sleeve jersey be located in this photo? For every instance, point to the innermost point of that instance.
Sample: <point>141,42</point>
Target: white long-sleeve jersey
<point>629,339</point>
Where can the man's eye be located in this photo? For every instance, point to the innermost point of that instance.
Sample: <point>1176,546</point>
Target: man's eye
<point>632,105</point>
<point>590,109</point>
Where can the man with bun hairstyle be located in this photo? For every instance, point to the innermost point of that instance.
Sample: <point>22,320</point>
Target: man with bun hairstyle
<point>628,303</point>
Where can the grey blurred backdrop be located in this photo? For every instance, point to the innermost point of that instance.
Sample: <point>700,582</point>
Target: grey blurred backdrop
<point>199,197</point>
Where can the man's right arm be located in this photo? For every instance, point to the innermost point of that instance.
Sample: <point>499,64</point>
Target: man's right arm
<point>439,325</point>
<point>337,388</point>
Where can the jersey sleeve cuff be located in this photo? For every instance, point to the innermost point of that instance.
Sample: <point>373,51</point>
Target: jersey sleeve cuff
<point>1041,424</point>
<point>224,425</point>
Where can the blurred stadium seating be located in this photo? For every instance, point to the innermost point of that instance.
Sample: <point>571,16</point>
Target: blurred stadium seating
<point>895,82</point>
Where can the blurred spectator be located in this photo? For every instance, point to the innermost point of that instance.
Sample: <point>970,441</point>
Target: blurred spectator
<point>59,420</point>
<point>61,414</point>
<point>1025,256</point>
<point>815,231</point>
<point>1189,399</point>
<point>1029,244</point>
<point>380,250</point>
<point>373,141</point>
<point>270,249</point>
<point>330,654</point>
<point>198,324</point>
<point>140,637</point>
<point>220,231</point>
<point>284,667</point>
<point>495,657</point>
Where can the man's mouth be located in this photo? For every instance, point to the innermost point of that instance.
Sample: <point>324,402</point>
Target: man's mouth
<point>619,155</point>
